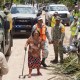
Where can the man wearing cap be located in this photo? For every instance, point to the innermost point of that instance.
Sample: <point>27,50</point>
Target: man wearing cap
<point>8,17</point>
<point>58,33</point>
<point>76,12</point>
<point>74,30</point>
<point>36,19</point>
<point>43,34</point>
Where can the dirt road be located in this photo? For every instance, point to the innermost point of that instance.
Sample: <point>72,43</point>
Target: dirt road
<point>15,62</point>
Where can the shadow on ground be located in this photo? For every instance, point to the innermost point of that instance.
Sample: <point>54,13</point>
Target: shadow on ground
<point>20,36</point>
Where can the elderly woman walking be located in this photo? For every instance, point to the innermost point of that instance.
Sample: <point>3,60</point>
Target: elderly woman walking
<point>35,46</point>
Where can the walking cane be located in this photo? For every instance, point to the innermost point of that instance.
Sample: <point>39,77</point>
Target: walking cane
<point>23,76</point>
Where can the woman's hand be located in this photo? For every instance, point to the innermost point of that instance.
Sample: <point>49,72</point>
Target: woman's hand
<point>51,42</point>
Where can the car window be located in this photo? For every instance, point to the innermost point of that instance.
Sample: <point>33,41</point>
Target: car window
<point>24,10</point>
<point>58,8</point>
<point>36,10</point>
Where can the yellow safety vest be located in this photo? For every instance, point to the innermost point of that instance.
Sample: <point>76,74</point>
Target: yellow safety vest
<point>9,17</point>
<point>53,21</point>
<point>76,14</point>
<point>62,28</point>
<point>73,30</point>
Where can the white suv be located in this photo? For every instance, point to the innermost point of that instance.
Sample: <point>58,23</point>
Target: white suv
<point>62,11</point>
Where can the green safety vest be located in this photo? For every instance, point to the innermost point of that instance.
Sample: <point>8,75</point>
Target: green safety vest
<point>53,21</point>
<point>73,30</point>
<point>77,14</point>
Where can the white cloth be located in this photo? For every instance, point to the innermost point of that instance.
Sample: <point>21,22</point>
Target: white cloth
<point>3,65</point>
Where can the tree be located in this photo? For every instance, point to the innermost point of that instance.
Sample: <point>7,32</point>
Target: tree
<point>55,1</point>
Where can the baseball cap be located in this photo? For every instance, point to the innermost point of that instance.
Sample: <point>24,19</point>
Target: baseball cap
<point>39,18</point>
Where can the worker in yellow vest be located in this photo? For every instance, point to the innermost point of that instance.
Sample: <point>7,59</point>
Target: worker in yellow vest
<point>42,28</point>
<point>74,30</point>
<point>53,19</point>
<point>76,12</point>
<point>8,17</point>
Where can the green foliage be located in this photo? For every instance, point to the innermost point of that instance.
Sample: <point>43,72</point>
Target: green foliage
<point>68,3</point>
<point>70,65</point>
<point>78,76</point>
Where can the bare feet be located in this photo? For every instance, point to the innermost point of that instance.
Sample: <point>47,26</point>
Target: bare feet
<point>29,75</point>
<point>39,73</point>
